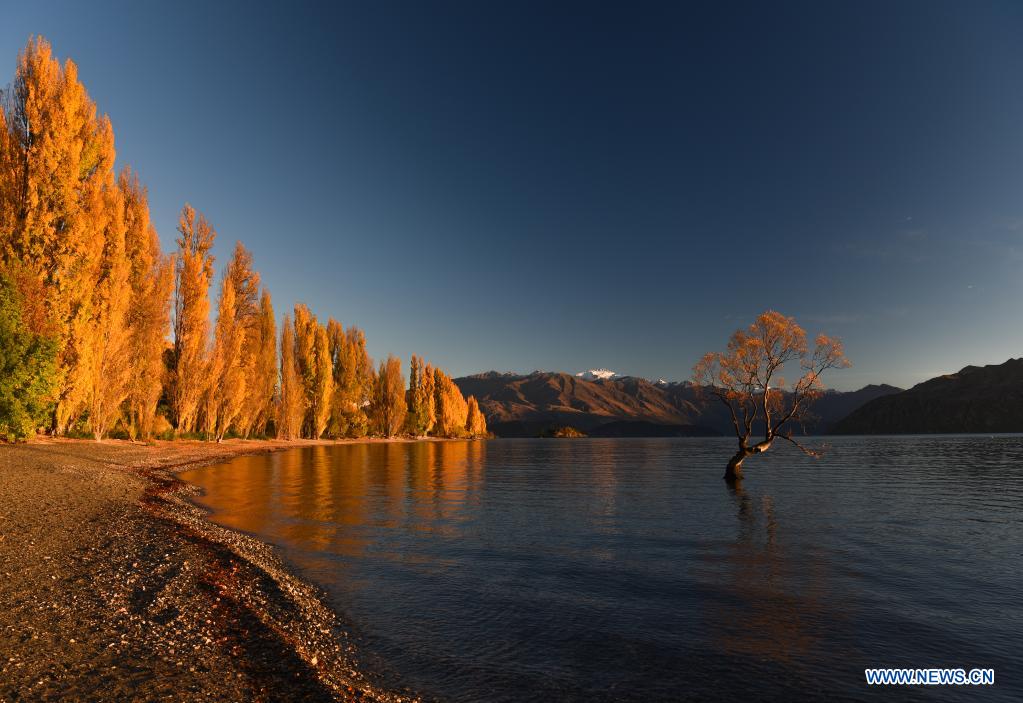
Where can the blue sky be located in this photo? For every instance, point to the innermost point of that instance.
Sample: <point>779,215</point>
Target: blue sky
<point>515,185</point>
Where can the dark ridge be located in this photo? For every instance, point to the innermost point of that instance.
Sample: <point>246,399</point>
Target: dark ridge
<point>976,399</point>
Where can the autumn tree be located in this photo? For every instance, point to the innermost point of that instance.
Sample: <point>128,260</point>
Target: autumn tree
<point>194,274</point>
<point>323,383</point>
<point>261,383</point>
<point>338,350</point>
<point>364,378</point>
<point>315,369</point>
<point>747,380</point>
<point>451,409</point>
<point>236,347</point>
<point>429,408</point>
<point>417,419</point>
<point>291,400</point>
<point>105,376</point>
<point>305,362</point>
<point>389,405</point>
<point>352,380</point>
<point>475,423</point>
<point>57,180</point>
<point>225,391</point>
<point>150,283</point>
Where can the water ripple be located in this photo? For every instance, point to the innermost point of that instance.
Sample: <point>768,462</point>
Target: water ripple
<point>626,570</point>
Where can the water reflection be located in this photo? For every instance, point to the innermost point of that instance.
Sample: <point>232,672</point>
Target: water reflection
<point>627,570</point>
<point>777,594</point>
<point>323,496</point>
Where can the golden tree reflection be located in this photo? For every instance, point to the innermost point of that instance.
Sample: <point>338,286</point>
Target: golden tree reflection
<point>338,498</point>
<point>779,595</point>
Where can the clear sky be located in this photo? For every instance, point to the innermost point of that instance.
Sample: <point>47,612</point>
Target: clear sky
<point>516,186</point>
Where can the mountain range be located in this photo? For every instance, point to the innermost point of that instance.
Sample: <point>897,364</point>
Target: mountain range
<point>540,403</point>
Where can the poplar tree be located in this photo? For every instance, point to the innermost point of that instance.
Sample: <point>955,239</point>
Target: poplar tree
<point>429,400</point>
<point>261,384</point>
<point>305,362</point>
<point>58,167</point>
<point>226,389</point>
<point>150,282</point>
<point>451,407</point>
<point>475,423</point>
<point>412,399</point>
<point>236,347</point>
<point>291,405</point>
<point>338,349</point>
<point>364,377</point>
<point>104,373</point>
<point>194,273</point>
<point>352,380</point>
<point>315,369</point>
<point>323,382</point>
<point>389,406</point>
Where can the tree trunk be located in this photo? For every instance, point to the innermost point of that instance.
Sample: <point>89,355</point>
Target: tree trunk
<point>733,472</point>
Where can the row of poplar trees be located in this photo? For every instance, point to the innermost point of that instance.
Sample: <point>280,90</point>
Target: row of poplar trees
<point>102,332</point>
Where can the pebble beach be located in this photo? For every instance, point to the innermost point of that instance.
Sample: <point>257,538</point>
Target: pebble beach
<point>115,587</point>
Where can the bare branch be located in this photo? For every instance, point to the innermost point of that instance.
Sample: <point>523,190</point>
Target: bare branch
<point>805,450</point>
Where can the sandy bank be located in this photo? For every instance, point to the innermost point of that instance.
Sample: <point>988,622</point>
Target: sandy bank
<point>113,587</point>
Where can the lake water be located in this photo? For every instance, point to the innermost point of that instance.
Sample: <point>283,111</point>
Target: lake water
<point>626,569</point>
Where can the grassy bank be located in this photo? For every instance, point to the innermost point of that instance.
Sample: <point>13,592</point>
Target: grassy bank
<point>117,588</point>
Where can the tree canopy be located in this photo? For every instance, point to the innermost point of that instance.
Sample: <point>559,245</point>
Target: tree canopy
<point>747,379</point>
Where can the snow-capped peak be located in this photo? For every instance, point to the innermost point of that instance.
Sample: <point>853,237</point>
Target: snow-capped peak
<point>602,374</point>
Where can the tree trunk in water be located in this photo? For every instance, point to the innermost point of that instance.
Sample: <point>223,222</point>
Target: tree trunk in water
<point>733,472</point>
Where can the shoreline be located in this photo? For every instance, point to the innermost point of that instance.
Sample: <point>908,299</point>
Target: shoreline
<point>116,585</point>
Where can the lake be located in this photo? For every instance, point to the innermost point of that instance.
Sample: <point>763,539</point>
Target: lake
<point>626,569</point>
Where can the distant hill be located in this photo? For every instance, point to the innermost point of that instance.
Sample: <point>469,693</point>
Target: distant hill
<point>536,404</point>
<point>531,405</point>
<point>976,399</point>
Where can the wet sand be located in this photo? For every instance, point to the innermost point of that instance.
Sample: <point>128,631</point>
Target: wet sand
<point>114,587</point>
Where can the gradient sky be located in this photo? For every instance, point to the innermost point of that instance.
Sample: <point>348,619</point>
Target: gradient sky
<point>516,186</point>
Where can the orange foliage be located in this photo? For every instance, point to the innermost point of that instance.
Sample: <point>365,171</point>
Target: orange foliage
<point>59,212</point>
<point>290,406</point>
<point>451,408</point>
<point>353,380</point>
<point>151,280</point>
<point>475,423</point>
<point>747,378</point>
<point>389,405</point>
<point>191,316</point>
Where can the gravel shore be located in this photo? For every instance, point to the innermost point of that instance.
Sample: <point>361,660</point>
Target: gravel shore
<point>113,587</point>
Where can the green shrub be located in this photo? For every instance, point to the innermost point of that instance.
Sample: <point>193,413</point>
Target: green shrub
<point>28,366</point>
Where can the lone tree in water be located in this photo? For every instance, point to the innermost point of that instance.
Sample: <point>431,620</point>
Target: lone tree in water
<point>747,379</point>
